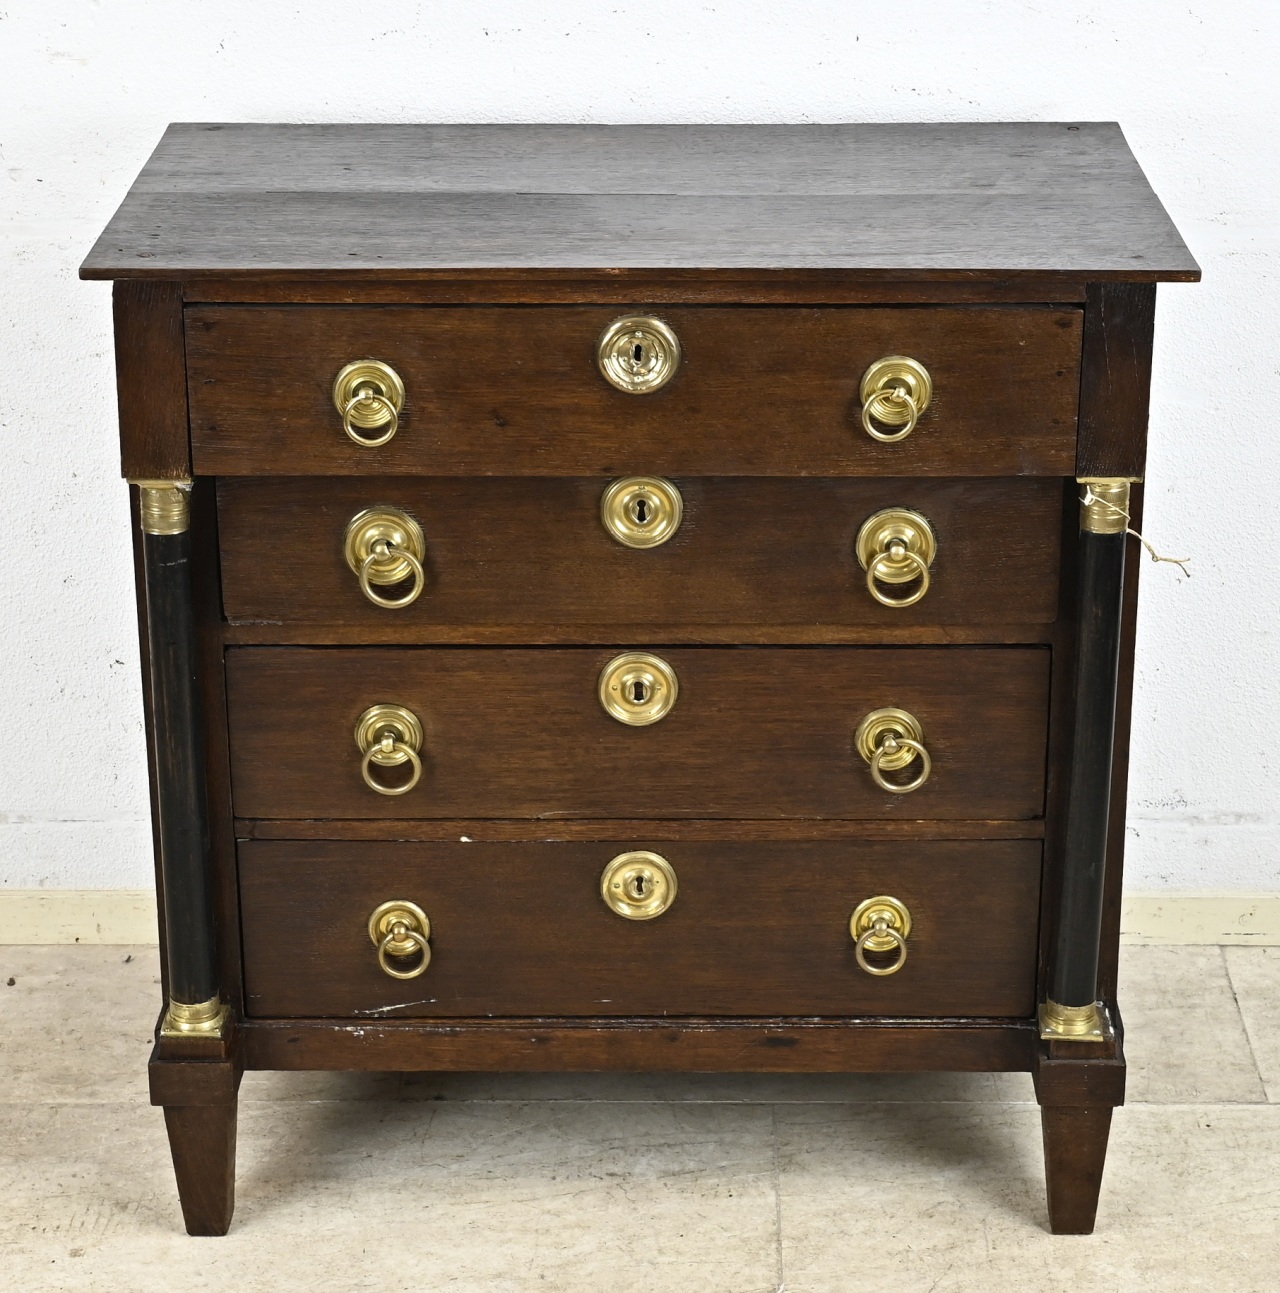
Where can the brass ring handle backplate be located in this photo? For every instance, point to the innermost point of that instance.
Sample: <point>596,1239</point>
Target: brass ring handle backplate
<point>890,740</point>
<point>400,931</point>
<point>385,548</point>
<point>880,924</point>
<point>389,736</point>
<point>369,396</point>
<point>894,391</point>
<point>638,885</point>
<point>638,354</point>
<point>637,688</point>
<point>641,511</point>
<point>896,548</point>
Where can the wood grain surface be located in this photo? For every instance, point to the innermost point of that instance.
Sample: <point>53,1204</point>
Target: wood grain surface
<point>755,733</point>
<point>534,830</point>
<point>151,381</point>
<point>763,551</point>
<point>960,199</point>
<point>638,1045</point>
<point>755,929</point>
<point>516,391</point>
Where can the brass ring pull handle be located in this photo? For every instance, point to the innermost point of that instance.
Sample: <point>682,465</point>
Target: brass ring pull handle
<point>890,747</point>
<point>389,736</point>
<point>880,924</point>
<point>638,354</point>
<point>400,930</point>
<point>896,548</point>
<point>641,511</point>
<point>890,740</point>
<point>637,688</point>
<point>369,395</point>
<point>638,885</point>
<point>385,547</point>
<point>368,570</point>
<point>895,391</point>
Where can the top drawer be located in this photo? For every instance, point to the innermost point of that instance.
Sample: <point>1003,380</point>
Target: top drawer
<point>517,391</point>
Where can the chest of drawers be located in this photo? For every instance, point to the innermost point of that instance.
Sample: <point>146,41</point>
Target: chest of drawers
<point>637,598</point>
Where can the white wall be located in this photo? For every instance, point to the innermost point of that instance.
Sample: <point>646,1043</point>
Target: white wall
<point>86,87</point>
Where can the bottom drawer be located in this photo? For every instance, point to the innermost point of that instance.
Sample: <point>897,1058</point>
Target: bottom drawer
<point>757,928</point>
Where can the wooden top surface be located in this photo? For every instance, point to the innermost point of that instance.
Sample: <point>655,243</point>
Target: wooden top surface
<point>892,201</point>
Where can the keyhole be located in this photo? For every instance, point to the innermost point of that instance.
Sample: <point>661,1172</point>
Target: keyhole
<point>641,510</point>
<point>639,692</point>
<point>637,352</point>
<point>639,884</point>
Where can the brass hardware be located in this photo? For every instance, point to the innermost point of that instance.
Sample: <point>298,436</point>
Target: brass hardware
<point>389,735</point>
<point>638,885</point>
<point>1089,1023</point>
<point>880,925</point>
<point>399,930</point>
<point>164,506</point>
<point>890,740</point>
<point>369,394</point>
<point>385,547</point>
<point>638,354</point>
<point>1104,505</point>
<point>641,511</point>
<point>203,1019</point>
<point>895,391</point>
<point>637,688</point>
<point>896,547</point>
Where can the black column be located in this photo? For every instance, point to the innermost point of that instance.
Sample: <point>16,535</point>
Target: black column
<point>178,743</point>
<point>1074,972</point>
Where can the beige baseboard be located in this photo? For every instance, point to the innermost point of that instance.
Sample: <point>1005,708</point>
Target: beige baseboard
<point>129,916</point>
<point>1239,919</point>
<point>77,916</point>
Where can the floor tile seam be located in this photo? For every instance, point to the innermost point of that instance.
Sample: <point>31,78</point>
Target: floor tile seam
<point>1244,1024</point>
<point>780,1279</point>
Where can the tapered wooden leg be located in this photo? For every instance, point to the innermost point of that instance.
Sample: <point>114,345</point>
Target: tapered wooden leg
<point>1077,1093</point>
<point>202,1140</point>
<point>199,1101</point>
<point>1075,1151</point>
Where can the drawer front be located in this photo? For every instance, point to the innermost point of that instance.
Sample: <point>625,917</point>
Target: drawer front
<point>517,391</point>
<point>753,733</point>
<point>759,551</point>
<point>754,929</point>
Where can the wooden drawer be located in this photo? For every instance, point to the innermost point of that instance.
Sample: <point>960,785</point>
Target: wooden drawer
<point>754,733</point>
<point>516,391</point>
<point>520,552</point>
<point>755,929</point>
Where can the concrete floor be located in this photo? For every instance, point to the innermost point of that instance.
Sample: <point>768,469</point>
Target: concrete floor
<point>610,1183</point>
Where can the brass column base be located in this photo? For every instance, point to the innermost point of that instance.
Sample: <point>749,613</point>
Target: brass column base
<point>1075,1023</point>
<point>204,1019</point>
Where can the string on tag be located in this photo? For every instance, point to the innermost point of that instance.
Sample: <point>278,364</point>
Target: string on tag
<point>1180,562</point>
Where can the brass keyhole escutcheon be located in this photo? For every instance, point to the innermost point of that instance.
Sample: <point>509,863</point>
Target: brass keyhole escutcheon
<point>877,926</point>
<point>385,548</point>
<point>369,396</point>
<point>641,511</point>
<point>638,885</point>
<point>895,391</point>
<point>637,688</point>
<point>389,736</point>
<point>399,930</point>
<point>638,354</point>
<point>891,740</point>
<point>896,548</point>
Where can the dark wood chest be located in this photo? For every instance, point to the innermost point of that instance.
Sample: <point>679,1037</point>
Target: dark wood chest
<point>645,598</point>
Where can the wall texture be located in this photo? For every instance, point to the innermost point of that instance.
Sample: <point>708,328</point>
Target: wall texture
<point>88,85</point>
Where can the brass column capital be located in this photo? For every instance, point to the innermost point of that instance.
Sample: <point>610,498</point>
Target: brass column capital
<point>1104,504</point>
<point>164,505</point>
